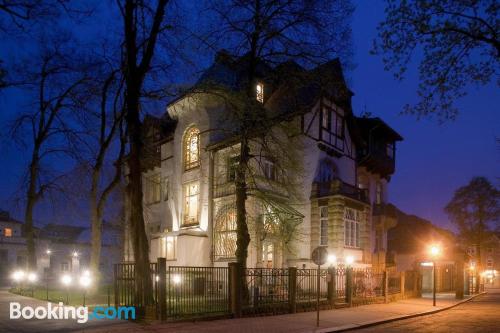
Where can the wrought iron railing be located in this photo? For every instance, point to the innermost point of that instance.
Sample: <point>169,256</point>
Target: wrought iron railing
<point>197,291</point>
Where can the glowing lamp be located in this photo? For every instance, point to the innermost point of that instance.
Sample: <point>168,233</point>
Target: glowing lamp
<point>66,279</point>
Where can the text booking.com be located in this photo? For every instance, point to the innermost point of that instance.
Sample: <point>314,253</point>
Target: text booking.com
<point>60,312</point>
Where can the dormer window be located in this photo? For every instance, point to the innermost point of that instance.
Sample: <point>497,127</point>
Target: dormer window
<point>259,92</point>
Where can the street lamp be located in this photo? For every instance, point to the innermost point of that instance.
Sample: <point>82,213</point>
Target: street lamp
<point>332,259</point>
<point>66,280</point>
<point>435,252</point>
<point>18,277</point>
<point>75,254</point>
<point>85,281</point>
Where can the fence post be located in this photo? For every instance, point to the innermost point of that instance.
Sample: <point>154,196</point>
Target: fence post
<point>348,286</point>
<point>292,289</point>
<point>402,284</point>
<point>332,292</point>
<point>162,287</point>
<point>386,286</point>
<point>235,288</point>
<point>115,286</point>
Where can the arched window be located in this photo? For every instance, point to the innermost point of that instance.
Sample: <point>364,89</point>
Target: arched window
<point>191,148</point>
<point>225,232</point>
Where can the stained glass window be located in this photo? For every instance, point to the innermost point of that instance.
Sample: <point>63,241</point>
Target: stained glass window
<point>225,232</point>
<point>192,148</point>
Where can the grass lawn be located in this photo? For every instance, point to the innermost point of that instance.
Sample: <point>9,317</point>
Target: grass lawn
<point>75,297</point>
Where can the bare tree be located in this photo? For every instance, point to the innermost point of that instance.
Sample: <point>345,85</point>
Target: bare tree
<point>459,44</point>
<point>143,22</point>
<point>54,84</point>
<point>475,210</point>
<point>107,141</point>
<point>273,31</point>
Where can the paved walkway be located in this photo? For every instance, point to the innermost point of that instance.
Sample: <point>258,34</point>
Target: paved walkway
<point>36,325</point>
<point>330,320</point>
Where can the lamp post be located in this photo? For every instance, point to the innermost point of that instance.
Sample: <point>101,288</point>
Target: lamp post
<point>66,280</point>
<point>434,251</point>
<point>48,252</point>
<point>32,277</point>
<point>85,281</point>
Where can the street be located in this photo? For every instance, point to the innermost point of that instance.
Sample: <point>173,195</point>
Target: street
<point>482,314</point>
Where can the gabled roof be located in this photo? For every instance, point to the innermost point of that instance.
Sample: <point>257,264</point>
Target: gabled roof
<point>5,217</point>
<point>367,125</point>
<point>61,232</point>
<point>289,87</point>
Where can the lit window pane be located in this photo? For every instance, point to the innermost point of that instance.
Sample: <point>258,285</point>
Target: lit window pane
<point>192,148</point>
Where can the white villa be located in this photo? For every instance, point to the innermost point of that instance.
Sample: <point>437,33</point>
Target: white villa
<point>345,165</point>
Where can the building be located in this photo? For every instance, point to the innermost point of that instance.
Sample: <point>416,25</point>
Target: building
<point>59,248</point>
<point>13,250</point>
<point>342,172</point>
<point>490,260</point>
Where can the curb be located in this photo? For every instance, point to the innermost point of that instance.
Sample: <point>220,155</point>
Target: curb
<point>351,327</point>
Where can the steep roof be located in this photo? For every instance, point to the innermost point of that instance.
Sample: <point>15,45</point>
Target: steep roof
<point>412,234</point>
<point>367,124</point>
<point>5,217</point>
<point>61,232</point>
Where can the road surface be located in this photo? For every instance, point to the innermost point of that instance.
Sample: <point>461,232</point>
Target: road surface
<point>481,314</point>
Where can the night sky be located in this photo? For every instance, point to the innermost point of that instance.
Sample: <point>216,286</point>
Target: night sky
<point>432,161</point>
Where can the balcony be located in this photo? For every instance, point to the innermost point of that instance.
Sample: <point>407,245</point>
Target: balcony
<point>376,160</point>
<point>385,214</point>
<point>338,187</point>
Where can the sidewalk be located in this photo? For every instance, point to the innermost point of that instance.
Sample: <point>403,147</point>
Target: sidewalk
<point>330,320</point>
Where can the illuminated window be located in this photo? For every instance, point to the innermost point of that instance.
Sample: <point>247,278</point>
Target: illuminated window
<point>225,232</point>
<point>192,148</point>
<point>191,198</point>
<point>323,225</point>
<point>259,92</point>
<point>352,218</point>
<point>8,232</point>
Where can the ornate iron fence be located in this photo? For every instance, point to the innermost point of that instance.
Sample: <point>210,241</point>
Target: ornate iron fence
<point>307,285</point>
<point>197,291</point>
<point>394,282</point>
<point>367,283</point>
<point>267,289</point>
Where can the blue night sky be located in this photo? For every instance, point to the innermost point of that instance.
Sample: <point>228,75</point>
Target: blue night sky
<point>432,161</point>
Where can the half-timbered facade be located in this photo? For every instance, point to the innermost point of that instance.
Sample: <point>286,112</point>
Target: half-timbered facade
<point>343,166</point>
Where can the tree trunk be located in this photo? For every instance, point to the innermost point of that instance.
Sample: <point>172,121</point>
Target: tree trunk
<point>31,199</point>
<point>139,241</point>
<point>96,222</point>
<point>243,237</point>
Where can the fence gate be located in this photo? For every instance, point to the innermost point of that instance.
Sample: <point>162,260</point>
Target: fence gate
<point>124,287</point>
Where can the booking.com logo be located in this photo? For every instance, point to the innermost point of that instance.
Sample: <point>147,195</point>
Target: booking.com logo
<point>81,313</point>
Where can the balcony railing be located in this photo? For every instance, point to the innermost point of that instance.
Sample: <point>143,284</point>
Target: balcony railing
<point>385,210</point>
<point>336,186</point>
